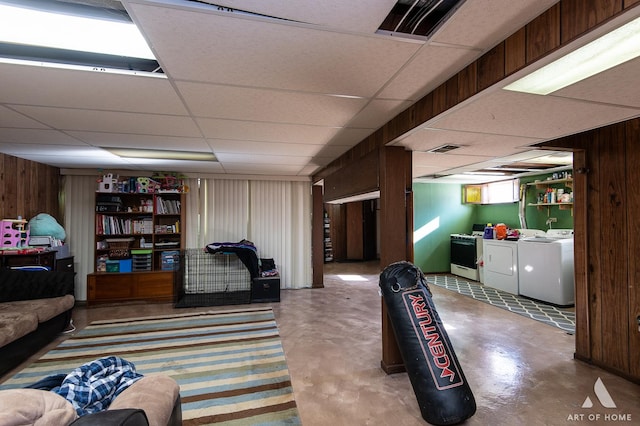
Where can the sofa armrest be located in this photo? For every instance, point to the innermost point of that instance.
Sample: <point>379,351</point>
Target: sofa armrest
<point>157,395</point>
<point>123,417</point>
<point>27,285</point>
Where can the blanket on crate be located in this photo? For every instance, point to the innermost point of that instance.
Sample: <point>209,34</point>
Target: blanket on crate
<point>244,249</point>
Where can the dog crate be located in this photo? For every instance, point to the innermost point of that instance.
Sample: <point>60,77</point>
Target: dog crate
<point>211,279</point>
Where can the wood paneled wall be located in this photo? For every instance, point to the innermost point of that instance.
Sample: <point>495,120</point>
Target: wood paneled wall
<point>560,24</point>
<point>606,253</point>
<point>28,188</point>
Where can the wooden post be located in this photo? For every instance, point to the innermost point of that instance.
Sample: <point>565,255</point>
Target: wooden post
<point>317,237</point>
<point>396,237</point>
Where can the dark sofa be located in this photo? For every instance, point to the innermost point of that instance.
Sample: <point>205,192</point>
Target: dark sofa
<point>35,306</point>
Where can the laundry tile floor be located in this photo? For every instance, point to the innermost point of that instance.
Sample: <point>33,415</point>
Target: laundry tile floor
<point>521,371</point>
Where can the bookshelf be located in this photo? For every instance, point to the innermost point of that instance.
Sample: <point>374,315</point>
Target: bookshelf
<point>138,240</point>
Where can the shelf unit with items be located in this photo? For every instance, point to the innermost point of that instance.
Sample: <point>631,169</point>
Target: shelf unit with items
<point>557,192</point>
<point>138,238</point>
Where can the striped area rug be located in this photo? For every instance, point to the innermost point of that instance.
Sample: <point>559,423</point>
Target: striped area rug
<point>230,364</point>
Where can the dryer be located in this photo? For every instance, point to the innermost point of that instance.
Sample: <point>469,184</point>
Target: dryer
<point>545,267</point>
<point>501,265</point>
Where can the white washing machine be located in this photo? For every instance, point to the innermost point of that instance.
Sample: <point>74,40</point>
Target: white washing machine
<point>501,264</point>
<point>545,267</point>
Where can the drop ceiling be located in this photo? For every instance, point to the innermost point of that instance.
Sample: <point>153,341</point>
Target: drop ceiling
<point>284,97</point>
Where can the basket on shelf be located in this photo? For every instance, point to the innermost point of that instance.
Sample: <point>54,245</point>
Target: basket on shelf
<point>119,243</point>
<point>119,248</point>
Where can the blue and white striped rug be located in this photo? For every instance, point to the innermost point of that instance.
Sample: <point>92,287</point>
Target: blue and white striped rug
<point>564,319</point>
<point>230,364</point>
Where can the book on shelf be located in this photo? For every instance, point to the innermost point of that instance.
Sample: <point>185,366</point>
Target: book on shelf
<point>167,206</point>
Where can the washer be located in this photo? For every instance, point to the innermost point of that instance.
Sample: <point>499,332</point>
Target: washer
<point>501,265</point>
<point>545,267</point>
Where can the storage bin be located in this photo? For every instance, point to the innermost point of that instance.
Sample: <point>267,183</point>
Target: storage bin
<point>170,260</point>
<point>14,233</point>
<point>265,289</point>
<point>141,260</point>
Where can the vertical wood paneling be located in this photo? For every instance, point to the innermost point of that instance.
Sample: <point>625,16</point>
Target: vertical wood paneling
<point>582,305</point>
<point>394,236</point>
<point>317,238</point>
<point>439,100</point>
<point>10,203</point>
<point>613,247</point>
<point>633,230</point>
<point>543,34</point>
<point>468,82</point>
<point>579,16</point>
<point>515,56</point>
<point>355,237</point>
<point>594,215</point>
<point>338,230</point>
<point>491,67</point>
<point>630,3</point>
<point>28,188</point>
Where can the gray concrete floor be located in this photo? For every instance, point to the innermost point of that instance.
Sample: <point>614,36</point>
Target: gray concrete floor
<point>521,372</point>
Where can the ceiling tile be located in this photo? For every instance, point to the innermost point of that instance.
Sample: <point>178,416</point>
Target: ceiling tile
<point>432,66</point>
<point>355,15</point>
<point>268,132</point>
<point>617,86</point>
<point>37,136</point>
<point>11,118</point>
<point>218,101</point>
<point>486,23</point>
<point>235,49</point>
<point>429,138</point>
<point>275,160</point>
<point>86,89</point>
<point>109,121</point>
<point>263,169</point>
<point>220,146</point>
<point>124,140</point>
<point>520,114</point>
<point>378,111</point>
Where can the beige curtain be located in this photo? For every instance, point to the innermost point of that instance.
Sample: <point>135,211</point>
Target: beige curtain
<point>280,227</point>
<point>79,224</point>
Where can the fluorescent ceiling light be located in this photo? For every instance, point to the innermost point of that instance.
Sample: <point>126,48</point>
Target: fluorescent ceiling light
<point>39,28</point>
<point>486,173</point>
<point>614,48</point>
<point>79,67</point>
<point>162,154</point>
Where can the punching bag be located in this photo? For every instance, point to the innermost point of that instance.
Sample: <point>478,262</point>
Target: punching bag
<point>442,391</point>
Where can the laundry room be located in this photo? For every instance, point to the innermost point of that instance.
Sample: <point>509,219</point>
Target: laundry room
<point>519,251</point>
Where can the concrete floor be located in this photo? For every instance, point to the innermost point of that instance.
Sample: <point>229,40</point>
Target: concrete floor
<point>522,372</point>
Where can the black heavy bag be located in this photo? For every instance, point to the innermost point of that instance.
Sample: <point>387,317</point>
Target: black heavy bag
<point>442,391</point>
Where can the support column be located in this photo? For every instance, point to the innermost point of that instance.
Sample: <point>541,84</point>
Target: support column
<point>396,234</point>
<point>317,237</point>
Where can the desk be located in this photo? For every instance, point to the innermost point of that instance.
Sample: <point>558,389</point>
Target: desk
<point>43,258</point>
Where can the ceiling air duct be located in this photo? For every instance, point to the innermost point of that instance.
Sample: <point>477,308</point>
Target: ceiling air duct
<point>418,17</point>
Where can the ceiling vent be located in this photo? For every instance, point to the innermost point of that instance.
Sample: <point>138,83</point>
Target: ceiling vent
<point>443,149</point>
<point>418,17</point>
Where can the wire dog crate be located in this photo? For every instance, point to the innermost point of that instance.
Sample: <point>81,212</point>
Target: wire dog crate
<point>207,279</point>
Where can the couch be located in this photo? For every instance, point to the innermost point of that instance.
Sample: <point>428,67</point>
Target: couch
<point>35,306</point>
<point>153,400</point>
